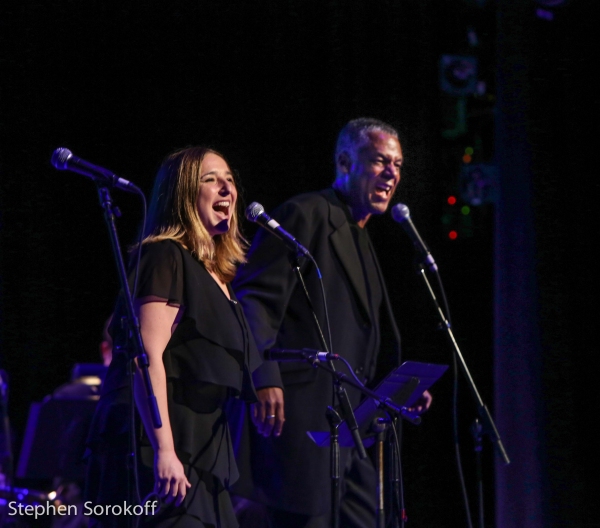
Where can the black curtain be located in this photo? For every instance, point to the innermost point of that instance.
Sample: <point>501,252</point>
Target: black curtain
<point>546,286</point>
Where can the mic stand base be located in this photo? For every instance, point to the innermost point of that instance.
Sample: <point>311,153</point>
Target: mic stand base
<point>381,429</point>
<point>476,431</point>
<point>335,421</point>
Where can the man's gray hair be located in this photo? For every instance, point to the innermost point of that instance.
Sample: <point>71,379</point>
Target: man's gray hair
<point>356,133</point>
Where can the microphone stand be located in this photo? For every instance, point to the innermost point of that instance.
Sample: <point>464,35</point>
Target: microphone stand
<point>388,474</point>
<point>133,324</point>
<point>487,425</point>
<point>379,427</point>
<point>476,432</point>
<point>396,493</point>
<point>334,419</point>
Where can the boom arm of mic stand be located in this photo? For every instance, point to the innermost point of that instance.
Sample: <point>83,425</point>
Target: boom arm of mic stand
<point>489,427</point>
<point>133,323</point>
<point>384,403</point>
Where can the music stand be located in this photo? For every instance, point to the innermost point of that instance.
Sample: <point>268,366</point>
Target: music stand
<point>403,386</point>
<point>54,441</point>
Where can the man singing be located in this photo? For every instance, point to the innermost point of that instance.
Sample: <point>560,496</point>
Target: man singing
<point>281,467</point>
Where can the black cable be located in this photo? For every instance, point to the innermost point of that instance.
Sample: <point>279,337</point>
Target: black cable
<point>325,311</point>
<point>459,465</point>
<point>349,367</point>
<point>400,505</point>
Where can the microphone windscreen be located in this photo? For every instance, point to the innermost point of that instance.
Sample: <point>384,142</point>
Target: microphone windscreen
<point>253,211</point>
<point>60,157</point>
<point>400,212</point>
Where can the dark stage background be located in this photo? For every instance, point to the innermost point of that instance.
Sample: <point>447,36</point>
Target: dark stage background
<point>269,84</point>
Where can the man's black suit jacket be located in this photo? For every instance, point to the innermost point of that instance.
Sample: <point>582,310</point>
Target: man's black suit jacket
<point>290,472</point>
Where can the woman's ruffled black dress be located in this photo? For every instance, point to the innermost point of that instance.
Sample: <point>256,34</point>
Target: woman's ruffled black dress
<point>209,359</point>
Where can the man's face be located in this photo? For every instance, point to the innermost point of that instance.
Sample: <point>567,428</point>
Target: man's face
<point>372,173</point>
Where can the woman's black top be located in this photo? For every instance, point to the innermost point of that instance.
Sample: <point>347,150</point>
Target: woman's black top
<point>208,359</point>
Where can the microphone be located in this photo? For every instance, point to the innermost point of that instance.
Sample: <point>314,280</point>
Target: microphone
<point>286,354</point>
<point>256,213</point>
<point>63,159</point>
<point>401,214</point>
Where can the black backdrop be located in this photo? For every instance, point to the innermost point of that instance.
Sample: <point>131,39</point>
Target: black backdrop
<point>122,84</point>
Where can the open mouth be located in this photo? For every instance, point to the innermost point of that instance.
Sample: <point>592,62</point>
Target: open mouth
<point>222,207</point>
<point>383,190</point>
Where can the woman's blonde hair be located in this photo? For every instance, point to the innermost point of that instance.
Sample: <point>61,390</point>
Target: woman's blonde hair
<point>173,214</point>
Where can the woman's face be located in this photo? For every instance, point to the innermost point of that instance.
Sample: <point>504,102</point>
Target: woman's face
<point>217,196</point>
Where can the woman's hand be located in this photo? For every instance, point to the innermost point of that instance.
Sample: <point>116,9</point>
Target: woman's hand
<point>170,482</point>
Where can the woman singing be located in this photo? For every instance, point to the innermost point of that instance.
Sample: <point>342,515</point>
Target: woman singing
<point>200,352</point>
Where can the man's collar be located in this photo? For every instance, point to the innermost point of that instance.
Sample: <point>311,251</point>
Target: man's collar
<point>345,207</point>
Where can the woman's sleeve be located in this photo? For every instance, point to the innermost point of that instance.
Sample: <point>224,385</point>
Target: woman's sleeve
<point>161,272</point>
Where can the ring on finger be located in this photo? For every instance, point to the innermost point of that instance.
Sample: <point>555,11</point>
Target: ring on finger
<point>269,416</point>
